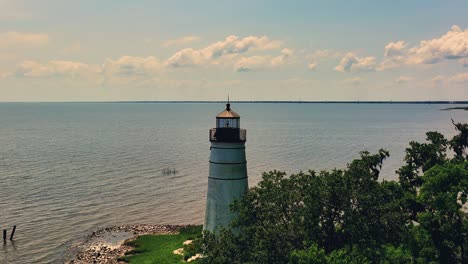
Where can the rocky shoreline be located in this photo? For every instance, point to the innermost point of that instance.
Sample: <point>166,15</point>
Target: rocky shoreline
<point>108,244</point>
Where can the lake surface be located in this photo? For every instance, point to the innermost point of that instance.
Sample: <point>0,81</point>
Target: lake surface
<point>67,169</point>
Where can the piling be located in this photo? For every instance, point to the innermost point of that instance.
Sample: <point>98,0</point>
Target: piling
<point>4,235</point>
<point>13,233</point>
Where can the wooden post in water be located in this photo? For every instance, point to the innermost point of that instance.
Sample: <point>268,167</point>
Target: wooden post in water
<point>13,233</point>
<point>4,235</point>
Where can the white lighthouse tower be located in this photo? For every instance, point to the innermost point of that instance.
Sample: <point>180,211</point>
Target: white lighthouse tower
<point>228,169</point>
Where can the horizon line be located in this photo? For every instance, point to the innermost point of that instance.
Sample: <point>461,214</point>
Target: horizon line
<point>263,101</point>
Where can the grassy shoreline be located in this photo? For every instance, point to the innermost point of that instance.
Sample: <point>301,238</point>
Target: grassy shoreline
<point>159,248</point>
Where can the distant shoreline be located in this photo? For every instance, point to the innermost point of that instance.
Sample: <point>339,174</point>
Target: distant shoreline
<point>258,102</point>
<point>456,108</point>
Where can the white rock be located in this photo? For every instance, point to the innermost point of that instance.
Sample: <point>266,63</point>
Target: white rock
<point>197,256</point>
<point>179,251</point>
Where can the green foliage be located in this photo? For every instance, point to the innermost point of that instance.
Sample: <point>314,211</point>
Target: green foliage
<point>421,157</point>
<point>350,216</point>
<point>460,142</point>
<point>314,254</point>
<point>345,256</point>
<point>330,209</point>
<point>396,255</point>
<point>443,193</point>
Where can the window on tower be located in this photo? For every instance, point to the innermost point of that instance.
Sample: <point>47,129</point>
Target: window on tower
<point>228,123</point>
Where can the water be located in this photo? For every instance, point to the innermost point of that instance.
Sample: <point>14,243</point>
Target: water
<point>69,168</point>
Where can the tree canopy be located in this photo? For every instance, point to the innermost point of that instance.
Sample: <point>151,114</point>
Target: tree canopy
<point>351,216</point>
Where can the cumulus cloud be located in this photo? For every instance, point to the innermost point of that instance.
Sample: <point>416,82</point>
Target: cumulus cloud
<point>325,53</point>
<point>351,62</point>
<point>403,79</point>
<point>231,45</point>
<point>246,64</point>
<point>312,66</point>
<point>285,57</point>
<point>352,81</point>
<point>187,58</point>
<point>393,49</point>
<point>127,66</point>
<point>181,41</point>
<point>452,45</point>
<point>14,39</point>
<point>56,68</point>
<point>461,78</point>
<point>251,63</point>
<point>123,67</point>
<point>321,55</point>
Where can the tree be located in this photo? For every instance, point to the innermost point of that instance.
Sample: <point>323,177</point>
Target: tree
<point>443,193</point>
<point>330,211</point>
<point>460,142</point>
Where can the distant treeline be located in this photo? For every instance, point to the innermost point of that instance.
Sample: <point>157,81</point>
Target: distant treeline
<point>301,102</point>
<point>260,102</point>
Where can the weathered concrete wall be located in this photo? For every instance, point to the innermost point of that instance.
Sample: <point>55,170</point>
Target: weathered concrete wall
<point>227,181</point>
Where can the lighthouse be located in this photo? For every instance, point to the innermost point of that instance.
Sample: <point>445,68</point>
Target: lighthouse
<point>227,178</point>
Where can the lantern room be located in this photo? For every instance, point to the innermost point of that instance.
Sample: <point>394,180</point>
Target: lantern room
<point>228,127</point>
<point>228,118</point>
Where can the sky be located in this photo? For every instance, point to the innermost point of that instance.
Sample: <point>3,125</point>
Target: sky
<point>115,50</point>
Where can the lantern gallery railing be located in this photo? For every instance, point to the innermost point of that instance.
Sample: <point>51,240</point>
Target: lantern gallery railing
<point>228,135</point>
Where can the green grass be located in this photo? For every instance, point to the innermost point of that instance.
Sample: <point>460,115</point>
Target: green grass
<point>157,249</point>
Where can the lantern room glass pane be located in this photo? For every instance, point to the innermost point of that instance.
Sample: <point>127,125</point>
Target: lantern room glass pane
<point>227,123</point>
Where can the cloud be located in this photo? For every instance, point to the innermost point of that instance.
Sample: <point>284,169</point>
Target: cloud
<point>394,56</point>
<point>352,81</point>
<point>325,53</point>
<point>56,68</point>
<point>128,66</point>
<point>461,78</point>
<point>74,48</point>
<point>181,41</point>
<point>351,62</point>
<point>285,57</point>
<point>187,58</point>
<point>10,10</point>
<point>439,79</point>
<point>123,67</point>
<point>319,56</point>
<point>5,75</point>
<point>231,45</point>
<point>393,49</point>
<point>312,66</point>
<point>403,79</point>
<point>452,45</point>
<point>246,64</point>
<point>14,39</point>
